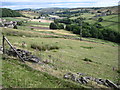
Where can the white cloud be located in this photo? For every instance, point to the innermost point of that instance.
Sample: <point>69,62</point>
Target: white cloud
<point>58,3</point>
<point>58,0</point>
<point>106,3</point>
<point>98,2</point>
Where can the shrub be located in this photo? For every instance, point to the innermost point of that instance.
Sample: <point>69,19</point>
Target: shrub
<point>15,27</point>
<point>61,26</point>
<point>19,23</point>
<point>98,11</point>
<point>53,26</point>
<point>86,47</point>
<point>100,19</point>
<point>87,59</point>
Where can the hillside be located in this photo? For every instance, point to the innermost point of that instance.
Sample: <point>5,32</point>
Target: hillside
<point>68,57</point>
<point>9,13</point>
<point>29,13</point>
<point>110,21</point>
<point>22,76</point>
<point>114,9</point>
<point>62,60</point>
<point>60,51</point>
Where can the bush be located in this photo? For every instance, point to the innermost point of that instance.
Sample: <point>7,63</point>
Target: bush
<point>61,26</point>
<point>87,59</point>
<point>53,26</point>
<point>100,19</point>
<point>19,23</point>
<point>95,30</point>
<point>15,27</point>
<point>98,11</point>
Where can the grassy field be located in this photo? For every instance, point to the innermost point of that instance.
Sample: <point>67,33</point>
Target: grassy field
<point>71,53</point>
<point>22,76</point>
<point>30,14</point>
<point>111,18</point>
<point>68,57</point>
<point>14,18</point>
<point>87,15</point>
<point>110,21</point>
<point>0,61</point>
<point>84,15</point>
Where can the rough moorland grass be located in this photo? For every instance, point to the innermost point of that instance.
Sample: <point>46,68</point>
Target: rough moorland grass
<point>18,32</point>
<point>32,33</point>
<point>0,70</point>
<point>70,57</point>
<point>38,23</point>
<point>86,47</point>
<point>19,75</point>
<point>58,34</point>
<point>44,47</point>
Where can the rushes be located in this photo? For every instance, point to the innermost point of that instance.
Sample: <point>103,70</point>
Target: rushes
<point>44,47</point>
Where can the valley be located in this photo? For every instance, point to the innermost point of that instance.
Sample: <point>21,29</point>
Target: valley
<point>60,51</point>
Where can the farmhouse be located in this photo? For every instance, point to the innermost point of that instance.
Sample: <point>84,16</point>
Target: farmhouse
<point>10,24</point>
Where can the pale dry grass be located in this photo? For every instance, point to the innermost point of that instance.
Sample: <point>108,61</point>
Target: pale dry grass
<point>46,68</point>
<point>58,32</point>
<point>41,20</point>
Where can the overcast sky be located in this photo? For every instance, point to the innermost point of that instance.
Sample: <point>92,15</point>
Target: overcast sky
<point>19,4</point>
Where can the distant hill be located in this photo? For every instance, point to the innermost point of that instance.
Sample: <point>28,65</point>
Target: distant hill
<point>24,9</point>
<point>113,9</point>
<point>44,10</point>
<point>29,13</point>
<point>9,13</point>
<point>50,10</point>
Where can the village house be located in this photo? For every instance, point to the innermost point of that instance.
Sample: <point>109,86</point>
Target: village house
<point>9,24</point>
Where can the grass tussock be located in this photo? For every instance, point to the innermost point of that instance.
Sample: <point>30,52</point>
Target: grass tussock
<point>87,47</point>
<point>44,47</point>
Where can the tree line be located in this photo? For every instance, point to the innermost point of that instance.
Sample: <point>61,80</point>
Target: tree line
<point>9,13</point>
<point>95,30</point>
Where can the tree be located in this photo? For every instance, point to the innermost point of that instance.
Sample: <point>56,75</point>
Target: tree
<point>68,28</point>
<point>15,27</point>
<point>98,11</point>
<point>100,35</point>
<point>19,23</point>
<point>56,21</point>
<point>9,13</point>
<point>112,36</point>
<point>53,26</point>
<point>34,17</point>
<point>86,33</point>
<point>94,32</point>
<point>61,26</point>
<point>100,19</point>
<point>97,25</point>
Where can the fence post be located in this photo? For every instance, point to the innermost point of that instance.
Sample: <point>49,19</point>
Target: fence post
<point>4,38</point>
<point>3,44</point>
